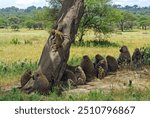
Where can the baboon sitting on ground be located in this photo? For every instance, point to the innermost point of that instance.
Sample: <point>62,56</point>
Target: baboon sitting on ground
<point>98,58</point>
<point>124,57</point>
<point>41,84</point>
<point>112,64</point>
<point>137,58</point>
<point>101,69</point>
<point>69,78</point>
<point>25,78</point>
<point>81,78</point>
<point>88,68</point>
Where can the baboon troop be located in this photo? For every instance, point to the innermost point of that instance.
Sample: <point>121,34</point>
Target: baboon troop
<point>124,57</point>
<point>85,72</point>
<point>88,68</point>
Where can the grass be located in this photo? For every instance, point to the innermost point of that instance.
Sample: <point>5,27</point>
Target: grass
<point>97,95</point>
<point>21,50</point>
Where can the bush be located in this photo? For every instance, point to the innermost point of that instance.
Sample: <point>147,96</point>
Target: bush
<point>15,41</point>
<point>146,55</point>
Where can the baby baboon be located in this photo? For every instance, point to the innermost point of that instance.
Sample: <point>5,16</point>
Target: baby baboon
<point>112,64</point>
<point>25,78</point>
<point>81,78</point>
<point>100,72</point>
<point>137,57</point>
<point>98,58</point>
<point>88,68</point>
<point>124,57</point>
<point>41,84</point>
<point>103,64</point>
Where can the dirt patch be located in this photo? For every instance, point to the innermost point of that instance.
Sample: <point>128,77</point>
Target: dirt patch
<point>116,81</point>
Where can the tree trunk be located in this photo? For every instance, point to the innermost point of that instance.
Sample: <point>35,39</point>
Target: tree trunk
<point>56,51</point>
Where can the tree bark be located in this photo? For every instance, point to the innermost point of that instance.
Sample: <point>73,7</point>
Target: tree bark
<point>55,54</point>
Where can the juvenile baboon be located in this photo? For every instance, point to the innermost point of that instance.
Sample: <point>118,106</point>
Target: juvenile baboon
<point>124,57</point>
<point>103,64</point>
<point>57,39</point>
<point>88,68</point>
<point>112,64</point>
<point>100,72</point>
<point>25,78</point>
<point>41,84</point>
<point>98,58</point>
<point>137,57</point>
<point>81,78</point>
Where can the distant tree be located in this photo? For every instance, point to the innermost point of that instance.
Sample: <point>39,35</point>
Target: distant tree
<point>14,22</point>
<point>144,22</point>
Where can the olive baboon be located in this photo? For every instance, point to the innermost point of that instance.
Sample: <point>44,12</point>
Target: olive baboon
<point>112,64</point>
<point>98,58</point>
<point>69,78</point>
<point>41,84</point>
<point>124,57</point>
<point>81,78</point>
<point>25,78</point>
<point>88,68</point>
<point>103,64</point>
<point>137,57</point>
<point>100,72</point>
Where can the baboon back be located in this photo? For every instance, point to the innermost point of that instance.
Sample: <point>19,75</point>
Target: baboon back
<point>112,64</point>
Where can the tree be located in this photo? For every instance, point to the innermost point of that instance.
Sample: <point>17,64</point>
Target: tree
<point>100,16</point>
<point>14,22</point>
<point>127,18</point>
<point>144,22</point>
<point>54,59</point>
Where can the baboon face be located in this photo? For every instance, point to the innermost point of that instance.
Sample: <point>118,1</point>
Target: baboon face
<point>137,51</point>
<point>78,71</point>
<point>124,49</point>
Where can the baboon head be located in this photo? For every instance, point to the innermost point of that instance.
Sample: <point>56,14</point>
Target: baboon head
<point>98,58</point>
<point>124,49</point>
<point>86,58</point>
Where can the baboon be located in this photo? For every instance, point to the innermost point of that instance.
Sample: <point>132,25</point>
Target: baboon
<point>69,78</point>
<point>98,58</point>
<point>88,68</point>
<point>57,39</point>
<point>25,78</point>
<point>100,72</point>
<point>103,64</point>
<point>124,57</point>
<point>41,84</point>
<point>112,64</point>
<point>137,57</point>
<point>81,78</point>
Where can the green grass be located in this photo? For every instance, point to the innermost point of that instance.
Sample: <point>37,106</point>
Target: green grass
<point>97,95</point>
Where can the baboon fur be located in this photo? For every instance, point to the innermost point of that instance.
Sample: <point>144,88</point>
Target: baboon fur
<point>88,68</point>
<point>112,64</point>
<point>71,68</point>
<point>124,57</point>
<point>41,83</point>
<point>136,57</point>
<point>25,78</point>
<point>81,78</point>
<point>70,78</point>
<point>98,58</point>
<point>103,64</point>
